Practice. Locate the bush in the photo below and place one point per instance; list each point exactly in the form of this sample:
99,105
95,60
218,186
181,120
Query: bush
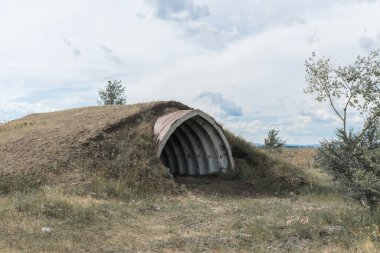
355,162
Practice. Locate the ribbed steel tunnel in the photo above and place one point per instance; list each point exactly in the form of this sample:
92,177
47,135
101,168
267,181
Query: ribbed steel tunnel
191,143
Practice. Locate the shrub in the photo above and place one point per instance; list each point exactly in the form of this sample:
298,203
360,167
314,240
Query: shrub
355,162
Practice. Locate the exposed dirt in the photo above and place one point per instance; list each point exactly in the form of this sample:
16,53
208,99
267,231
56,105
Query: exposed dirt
213,185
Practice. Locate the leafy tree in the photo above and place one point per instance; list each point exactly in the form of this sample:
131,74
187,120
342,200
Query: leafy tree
273,141
355,87
113,94
354,157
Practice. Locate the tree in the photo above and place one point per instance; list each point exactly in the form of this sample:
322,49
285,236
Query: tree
354,163
273,141
113,94
354,157
355,87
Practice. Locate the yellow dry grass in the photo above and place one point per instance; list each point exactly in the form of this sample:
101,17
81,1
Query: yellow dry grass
56,141
111,149
200,217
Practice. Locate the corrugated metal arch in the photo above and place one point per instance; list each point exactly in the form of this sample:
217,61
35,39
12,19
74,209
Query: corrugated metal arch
190,142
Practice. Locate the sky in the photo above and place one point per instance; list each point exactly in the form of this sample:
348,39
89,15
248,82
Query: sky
242,62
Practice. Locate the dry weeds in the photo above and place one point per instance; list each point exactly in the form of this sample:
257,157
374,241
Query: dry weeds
110,194
63,142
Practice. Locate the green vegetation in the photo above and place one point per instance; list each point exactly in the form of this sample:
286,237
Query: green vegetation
356,87
355,164
354,157
273,142
113,94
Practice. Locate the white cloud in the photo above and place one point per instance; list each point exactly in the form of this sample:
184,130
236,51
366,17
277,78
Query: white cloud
251,126
319,115
249,52
111,55
7,111
313,38
179,11
367,43
299,122
218,105
24,107
209,36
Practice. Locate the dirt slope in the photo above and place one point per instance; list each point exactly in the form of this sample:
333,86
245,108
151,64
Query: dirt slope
60,140
87,147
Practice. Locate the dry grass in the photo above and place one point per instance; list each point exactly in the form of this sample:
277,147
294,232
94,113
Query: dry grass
316,180
198,219
265,171
64,145
105,191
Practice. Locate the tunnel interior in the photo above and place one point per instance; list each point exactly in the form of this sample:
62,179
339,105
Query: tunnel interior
196,147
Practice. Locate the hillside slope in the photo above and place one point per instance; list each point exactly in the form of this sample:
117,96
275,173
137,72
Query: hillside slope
60,141
88,180
80,146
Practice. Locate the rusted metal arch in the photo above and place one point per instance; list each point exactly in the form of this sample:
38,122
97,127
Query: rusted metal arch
190,142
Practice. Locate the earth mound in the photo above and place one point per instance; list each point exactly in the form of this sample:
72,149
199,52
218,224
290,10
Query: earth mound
92,145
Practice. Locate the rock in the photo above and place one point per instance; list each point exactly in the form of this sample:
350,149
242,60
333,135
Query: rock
46,230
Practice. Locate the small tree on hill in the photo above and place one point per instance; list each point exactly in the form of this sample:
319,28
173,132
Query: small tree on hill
354,157
113,94
273,142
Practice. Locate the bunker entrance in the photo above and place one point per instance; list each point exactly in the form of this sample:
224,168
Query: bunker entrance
191,143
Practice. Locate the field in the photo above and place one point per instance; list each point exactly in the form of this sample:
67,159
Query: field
212,214
88,180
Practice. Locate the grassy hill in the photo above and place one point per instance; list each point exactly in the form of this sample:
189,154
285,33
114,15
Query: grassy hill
69,146
88,180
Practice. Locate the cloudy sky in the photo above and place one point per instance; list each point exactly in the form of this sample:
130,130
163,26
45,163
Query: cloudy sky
240,61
